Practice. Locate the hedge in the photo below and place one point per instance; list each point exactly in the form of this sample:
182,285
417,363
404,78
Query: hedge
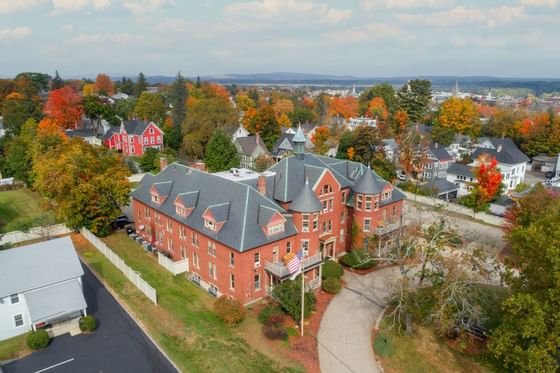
230,310
38,339
88,323
358,259
331,285
332,269
269,311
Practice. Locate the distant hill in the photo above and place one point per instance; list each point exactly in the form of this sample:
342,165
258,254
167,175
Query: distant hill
467,83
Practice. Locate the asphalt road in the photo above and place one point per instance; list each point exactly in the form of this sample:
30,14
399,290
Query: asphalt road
118,345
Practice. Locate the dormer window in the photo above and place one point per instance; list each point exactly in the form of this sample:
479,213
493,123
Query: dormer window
210,224
155,198
180,211
386,195
275,229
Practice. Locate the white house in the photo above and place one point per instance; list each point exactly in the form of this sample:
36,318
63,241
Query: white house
354,123
461,175
511,161
239,132
40,285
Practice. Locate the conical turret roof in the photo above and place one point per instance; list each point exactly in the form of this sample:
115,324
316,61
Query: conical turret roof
368,184
306,201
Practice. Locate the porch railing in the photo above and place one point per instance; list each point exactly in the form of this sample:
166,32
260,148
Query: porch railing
280,270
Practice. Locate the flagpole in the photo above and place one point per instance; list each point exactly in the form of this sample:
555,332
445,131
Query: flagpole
302,296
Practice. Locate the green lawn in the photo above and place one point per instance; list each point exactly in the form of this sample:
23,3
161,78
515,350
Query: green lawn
18,206
182,323
14,348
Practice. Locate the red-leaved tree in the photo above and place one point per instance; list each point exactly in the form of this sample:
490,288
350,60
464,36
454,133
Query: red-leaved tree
64,106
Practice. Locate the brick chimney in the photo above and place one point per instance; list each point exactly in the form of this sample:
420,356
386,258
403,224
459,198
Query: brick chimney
261,184
162,163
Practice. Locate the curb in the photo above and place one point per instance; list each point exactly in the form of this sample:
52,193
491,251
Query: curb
130,313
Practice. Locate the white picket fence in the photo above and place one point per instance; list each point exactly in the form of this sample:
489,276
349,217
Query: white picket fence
131,274
181,266
34,234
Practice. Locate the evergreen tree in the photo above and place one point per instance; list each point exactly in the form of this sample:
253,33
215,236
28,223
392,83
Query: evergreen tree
198,83
414,98
177,95
141,84
221,154
126,86
57,82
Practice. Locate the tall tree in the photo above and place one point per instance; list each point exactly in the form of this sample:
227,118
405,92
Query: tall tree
19,151
221,154
384,91
529,335
17,108
57,82
344,107
206,115
150,106
346,142
65,107
141,85
487,185
39,81
320,139
177,95
365,144
96,109
377,109
459,115
414,98
267,125
126,86
7,86
104,85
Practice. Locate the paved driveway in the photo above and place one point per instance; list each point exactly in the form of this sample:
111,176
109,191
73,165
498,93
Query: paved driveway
344,340
118,345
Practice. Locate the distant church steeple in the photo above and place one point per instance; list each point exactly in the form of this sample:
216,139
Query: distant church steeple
456,89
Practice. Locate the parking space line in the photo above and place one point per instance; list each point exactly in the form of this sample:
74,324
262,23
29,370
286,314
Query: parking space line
55,365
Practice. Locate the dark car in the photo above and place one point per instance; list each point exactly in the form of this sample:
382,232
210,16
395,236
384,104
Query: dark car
121,222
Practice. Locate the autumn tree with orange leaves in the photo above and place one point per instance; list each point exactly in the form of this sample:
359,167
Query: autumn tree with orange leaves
487,186
460,115
104,85
400,122
64,106
320,139
345,107
377,109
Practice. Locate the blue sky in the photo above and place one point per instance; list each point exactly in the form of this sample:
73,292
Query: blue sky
362,37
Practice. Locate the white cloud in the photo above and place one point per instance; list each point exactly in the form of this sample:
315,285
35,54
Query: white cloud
85,39
66,28
270,9
171,24
460,15
15,33
373,31
540,3
9,6
140,7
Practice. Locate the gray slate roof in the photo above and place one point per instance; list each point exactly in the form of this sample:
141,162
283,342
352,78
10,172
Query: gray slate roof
249,144
33,266
135,126
220,211
306,201
110,132
509,153
368,184
439,152
241,231
188,199
51,302
460,169
440,186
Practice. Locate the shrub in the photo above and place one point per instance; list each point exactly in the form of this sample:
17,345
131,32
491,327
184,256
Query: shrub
331,285
288,294
274,332
230,310
88,323
383,346
38,339
268,311
358,259
332,269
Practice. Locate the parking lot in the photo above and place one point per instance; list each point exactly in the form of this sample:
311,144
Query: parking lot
118,345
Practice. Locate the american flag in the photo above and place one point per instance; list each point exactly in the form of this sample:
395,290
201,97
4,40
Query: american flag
294,264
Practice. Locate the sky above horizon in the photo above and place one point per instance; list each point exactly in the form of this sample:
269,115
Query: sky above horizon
367,38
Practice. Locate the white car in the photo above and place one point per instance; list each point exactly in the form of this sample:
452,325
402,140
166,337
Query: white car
401,175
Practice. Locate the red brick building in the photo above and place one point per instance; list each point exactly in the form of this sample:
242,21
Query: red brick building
234,228
133,137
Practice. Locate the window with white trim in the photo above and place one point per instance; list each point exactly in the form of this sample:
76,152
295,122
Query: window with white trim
257,281
257,259
18,320
194,239
305,223
14,298
170,244
182,232
232,281
146,141
358,201
305,247
343,197
367,224
368,203
288,247
341,238
180,211
195,260
183,251
231,259
169,225
211,248
209,224
275,229
155,198
152,130
147,213
315,222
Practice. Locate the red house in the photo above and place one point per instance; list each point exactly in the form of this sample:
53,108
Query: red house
235,228
133,137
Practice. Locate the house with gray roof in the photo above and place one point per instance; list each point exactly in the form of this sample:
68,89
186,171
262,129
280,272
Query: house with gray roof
436,162
512,162
462,176
40,286
249,148
284,146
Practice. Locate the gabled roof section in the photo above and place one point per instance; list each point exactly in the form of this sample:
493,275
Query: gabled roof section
250,143
220,211
306,201
163,188
460,169
265,214
135,126
241,232
368,184
505,151
439,152
188,199
112,131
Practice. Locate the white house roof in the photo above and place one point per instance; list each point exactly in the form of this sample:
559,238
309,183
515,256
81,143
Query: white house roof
54,301
42,264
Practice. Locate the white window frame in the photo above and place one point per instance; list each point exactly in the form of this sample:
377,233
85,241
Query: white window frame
16,297
20,315
367,224
257,259
305,222
305,247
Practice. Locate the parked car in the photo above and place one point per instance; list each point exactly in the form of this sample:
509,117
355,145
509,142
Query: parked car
121,222
401,175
